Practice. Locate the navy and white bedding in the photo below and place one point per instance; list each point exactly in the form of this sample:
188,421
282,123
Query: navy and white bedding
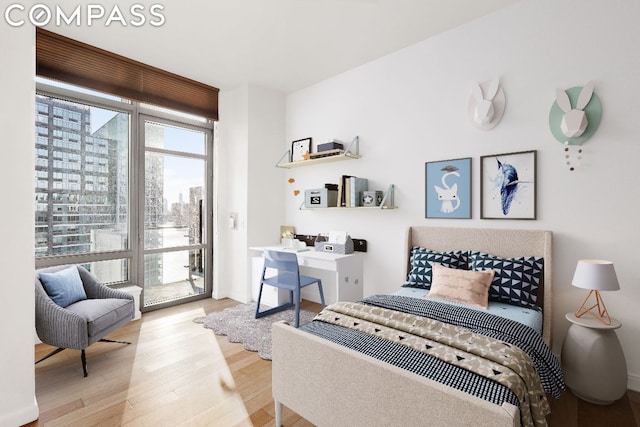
531,317
506,330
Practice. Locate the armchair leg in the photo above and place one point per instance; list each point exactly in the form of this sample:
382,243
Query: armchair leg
117,342
83,357
54,352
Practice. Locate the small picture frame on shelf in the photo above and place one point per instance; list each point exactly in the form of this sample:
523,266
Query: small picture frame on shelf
508,186
300,149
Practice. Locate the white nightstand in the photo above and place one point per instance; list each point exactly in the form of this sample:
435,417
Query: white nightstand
592,359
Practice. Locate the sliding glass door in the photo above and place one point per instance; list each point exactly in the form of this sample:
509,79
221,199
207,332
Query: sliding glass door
175,212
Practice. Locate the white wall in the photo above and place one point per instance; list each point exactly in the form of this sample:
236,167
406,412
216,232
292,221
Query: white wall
266,134
231,182
410,108
251,131
17,385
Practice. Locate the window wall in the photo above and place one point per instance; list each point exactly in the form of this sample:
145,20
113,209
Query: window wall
92,204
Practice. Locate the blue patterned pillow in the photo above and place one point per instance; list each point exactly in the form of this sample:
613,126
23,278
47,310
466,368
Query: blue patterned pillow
516,280
421,258
64,286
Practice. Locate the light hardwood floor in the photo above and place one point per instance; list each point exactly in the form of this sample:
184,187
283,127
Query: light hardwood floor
178,373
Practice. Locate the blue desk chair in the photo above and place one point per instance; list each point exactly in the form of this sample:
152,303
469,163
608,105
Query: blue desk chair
289,278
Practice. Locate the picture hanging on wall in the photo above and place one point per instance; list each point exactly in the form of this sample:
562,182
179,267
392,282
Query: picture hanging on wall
448,188
508,186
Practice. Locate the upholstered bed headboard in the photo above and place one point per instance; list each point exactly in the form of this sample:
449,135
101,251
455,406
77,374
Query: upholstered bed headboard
504,243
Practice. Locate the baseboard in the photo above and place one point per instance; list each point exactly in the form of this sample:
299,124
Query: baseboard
237,296
20,416
633,382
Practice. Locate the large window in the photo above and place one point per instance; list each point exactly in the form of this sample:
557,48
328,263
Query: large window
111,172
82,181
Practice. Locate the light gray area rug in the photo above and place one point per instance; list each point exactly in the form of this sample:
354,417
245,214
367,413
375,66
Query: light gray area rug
240,326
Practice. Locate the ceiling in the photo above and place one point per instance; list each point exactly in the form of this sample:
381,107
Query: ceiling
281,44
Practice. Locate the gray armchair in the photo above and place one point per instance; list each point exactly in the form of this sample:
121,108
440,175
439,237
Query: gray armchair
84,322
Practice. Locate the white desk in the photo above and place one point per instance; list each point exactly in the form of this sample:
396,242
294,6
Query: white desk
341,275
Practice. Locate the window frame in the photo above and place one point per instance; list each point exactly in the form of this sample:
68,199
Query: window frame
134,254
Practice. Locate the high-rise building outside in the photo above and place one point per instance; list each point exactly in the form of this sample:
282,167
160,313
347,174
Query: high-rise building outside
73,198
82,187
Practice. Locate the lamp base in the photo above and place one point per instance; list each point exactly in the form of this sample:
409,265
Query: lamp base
602,313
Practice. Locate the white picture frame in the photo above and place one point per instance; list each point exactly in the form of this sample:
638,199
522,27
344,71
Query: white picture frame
300,149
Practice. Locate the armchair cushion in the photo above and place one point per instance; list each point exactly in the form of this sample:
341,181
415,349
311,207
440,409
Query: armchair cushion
102,314
64,286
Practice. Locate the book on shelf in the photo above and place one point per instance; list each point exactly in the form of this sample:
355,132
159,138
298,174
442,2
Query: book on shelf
342,190
358,185
350,191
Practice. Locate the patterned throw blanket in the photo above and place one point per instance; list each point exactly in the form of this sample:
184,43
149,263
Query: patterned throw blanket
493,353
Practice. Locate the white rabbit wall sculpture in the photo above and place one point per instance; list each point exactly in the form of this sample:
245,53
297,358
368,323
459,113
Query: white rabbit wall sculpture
573,126
574,121
486,106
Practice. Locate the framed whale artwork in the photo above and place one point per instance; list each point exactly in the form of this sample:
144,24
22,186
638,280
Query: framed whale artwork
508,186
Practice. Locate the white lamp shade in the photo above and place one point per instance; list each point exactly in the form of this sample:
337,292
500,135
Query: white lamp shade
595,274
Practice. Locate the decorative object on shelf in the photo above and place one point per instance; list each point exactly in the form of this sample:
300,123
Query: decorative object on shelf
508,186
448,188
595,275
573,126
331,145
486,104
371,198
326,197
326,153
387,202
330,148
299,149
349,153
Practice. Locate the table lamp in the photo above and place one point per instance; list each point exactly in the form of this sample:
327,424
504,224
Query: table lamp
595,275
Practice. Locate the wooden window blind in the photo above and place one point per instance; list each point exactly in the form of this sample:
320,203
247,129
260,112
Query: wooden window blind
64,59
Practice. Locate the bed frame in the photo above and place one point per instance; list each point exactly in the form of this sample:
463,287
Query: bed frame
331,385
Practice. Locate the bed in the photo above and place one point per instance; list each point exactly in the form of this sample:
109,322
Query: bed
330,384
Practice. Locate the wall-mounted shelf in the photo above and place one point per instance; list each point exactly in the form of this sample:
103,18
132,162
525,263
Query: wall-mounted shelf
386,203
350,153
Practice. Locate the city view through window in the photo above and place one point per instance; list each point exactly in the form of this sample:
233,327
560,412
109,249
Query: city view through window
85,189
